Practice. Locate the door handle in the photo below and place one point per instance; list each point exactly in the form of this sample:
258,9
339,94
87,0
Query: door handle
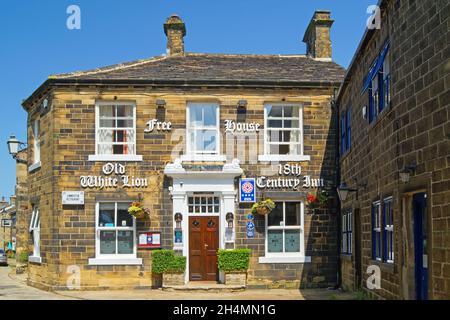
206,246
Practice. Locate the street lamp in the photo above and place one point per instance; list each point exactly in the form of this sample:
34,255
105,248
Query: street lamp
15,146
405,174
343,191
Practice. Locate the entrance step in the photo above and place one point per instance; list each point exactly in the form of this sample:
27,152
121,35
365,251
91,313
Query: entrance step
205,287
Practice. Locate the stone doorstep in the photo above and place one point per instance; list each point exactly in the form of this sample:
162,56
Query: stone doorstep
204,287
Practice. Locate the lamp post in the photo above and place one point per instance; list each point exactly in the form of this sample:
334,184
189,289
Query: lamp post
405,174
14,147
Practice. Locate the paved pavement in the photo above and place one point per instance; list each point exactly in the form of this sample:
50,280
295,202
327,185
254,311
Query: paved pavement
13,287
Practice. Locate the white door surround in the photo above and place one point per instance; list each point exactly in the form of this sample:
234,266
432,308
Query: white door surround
187,183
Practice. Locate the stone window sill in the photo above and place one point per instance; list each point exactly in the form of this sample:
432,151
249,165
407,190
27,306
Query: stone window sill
203,158
291,259
115,157
115,262
34,167
283,158
346,257
384,266
37,260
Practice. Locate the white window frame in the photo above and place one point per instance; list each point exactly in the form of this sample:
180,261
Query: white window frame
114,157
389,228
378,228
289,257
36,146
35,230
206,214
267,156
194,155
114,259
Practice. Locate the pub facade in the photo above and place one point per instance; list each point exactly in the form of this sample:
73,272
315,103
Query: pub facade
185,134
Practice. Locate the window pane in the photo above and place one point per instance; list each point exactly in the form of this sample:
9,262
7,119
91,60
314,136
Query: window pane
125,123
285,149
210,116
292,240
291,124
275,124
275,111
106,111
206,140
125,242
275,136
124,111
291,136
293,214
275,241
106,215
289,112
195,115
276,216
124,219
107,123
107,242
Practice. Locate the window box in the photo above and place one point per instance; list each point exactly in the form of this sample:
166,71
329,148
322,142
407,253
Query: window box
236,279
173,279
37,260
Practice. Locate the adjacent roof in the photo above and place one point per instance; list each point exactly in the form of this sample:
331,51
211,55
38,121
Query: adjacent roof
211,69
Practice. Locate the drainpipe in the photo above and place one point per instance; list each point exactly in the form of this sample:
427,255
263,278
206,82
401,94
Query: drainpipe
338,182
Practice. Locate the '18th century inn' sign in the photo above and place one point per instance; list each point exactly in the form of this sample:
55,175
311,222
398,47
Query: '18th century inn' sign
114,177
290,177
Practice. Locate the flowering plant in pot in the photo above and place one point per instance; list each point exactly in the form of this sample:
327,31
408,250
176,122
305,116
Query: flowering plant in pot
317,202
263,207
138,211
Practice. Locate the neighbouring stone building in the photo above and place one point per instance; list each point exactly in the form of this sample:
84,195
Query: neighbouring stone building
178,132
395,154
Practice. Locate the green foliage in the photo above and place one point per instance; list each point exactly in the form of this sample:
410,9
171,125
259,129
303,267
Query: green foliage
165,261
23,257
234,260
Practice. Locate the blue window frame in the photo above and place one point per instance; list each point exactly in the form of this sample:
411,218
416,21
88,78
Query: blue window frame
376,231
346,131
378,82
388,231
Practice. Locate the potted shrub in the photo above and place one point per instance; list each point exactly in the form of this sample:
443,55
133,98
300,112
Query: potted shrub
171,266
317,203
138,211
263,207
234,263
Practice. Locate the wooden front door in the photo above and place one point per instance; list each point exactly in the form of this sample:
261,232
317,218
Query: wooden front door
203,246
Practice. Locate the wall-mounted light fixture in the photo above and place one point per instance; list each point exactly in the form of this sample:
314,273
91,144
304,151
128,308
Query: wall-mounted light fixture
14,147
230,219
405,173
343,190
178,220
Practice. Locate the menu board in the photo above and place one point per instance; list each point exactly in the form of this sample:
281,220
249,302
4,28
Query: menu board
149,240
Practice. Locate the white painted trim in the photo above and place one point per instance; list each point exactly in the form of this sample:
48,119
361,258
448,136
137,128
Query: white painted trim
34,167
205,158
116,157
285,259
115,262
35,259
283,158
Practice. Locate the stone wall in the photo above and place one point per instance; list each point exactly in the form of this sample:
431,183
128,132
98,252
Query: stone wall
68,232
415,127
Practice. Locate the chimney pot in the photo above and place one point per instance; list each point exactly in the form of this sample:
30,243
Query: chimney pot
175,30
317,36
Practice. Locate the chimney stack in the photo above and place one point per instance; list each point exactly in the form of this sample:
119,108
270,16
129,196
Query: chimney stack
317,36
175,30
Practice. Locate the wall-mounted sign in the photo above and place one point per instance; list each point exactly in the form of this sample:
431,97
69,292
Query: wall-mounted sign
250,234
149,240
178,236
154,124
7,223
114,177
232,127
290,178
247,190
73,197
250,226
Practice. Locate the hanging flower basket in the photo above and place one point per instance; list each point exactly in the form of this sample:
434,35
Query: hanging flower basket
263,208
138,211
317,203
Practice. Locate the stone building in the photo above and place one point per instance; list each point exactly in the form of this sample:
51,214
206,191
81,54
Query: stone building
178,132
394,133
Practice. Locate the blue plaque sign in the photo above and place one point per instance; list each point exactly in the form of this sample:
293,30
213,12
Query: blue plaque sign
247,191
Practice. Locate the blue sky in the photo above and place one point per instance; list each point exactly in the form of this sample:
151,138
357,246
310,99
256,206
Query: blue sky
36,43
